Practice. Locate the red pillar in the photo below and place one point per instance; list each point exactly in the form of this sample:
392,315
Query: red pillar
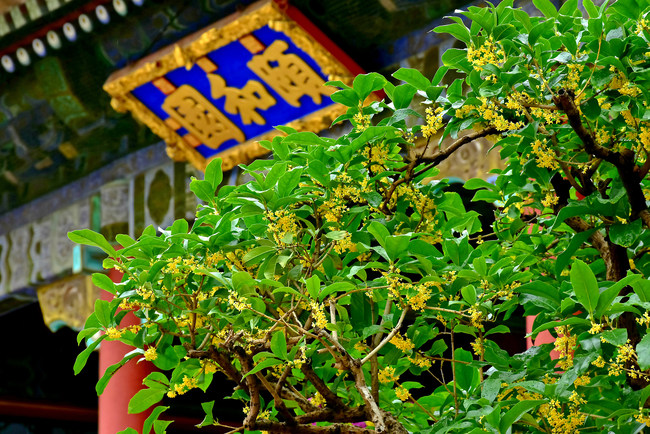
543,337
113,403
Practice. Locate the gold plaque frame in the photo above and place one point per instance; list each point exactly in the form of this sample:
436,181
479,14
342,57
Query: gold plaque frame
120,84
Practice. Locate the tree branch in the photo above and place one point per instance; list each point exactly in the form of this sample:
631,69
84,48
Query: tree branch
332,400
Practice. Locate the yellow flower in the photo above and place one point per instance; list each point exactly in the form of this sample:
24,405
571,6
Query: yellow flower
487,53
550,200
150,354
387,375
544,157
565,344
401,343
362,122
599,362
114,333
318,314
318,400
595,328
434,121
402,394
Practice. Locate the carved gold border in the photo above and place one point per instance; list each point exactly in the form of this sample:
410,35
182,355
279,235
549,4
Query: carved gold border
68,301
120,84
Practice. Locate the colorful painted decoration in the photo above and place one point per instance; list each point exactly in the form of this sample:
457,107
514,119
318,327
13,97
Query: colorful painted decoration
120,7
39,47
8,63
102,14
23,56
228,88
85,23
53,39
70,32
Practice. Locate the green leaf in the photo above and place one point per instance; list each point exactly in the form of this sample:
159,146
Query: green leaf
590,8
202,189
124,240
591,109
380,232
546,7
213,173
347,97
319,172
289,181
396,245
469,294
111,370
585,285
365,84
279,345
465,373
457,30
144,399
643,352
103,313
128,430
625,234
516,412
335,287
565,257
413,77
607,296
266,363
92,238
82,358
209,418
403,95
497,329
553,324
104,282
476,183
148,423
642,288
615,337
257,255
160,426
313,286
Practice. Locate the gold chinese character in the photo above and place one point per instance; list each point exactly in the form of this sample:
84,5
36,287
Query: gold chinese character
288,74
187,106
244,101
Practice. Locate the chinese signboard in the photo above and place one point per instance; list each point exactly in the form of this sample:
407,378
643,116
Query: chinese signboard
217,93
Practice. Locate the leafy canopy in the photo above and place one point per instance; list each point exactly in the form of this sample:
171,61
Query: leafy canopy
342,289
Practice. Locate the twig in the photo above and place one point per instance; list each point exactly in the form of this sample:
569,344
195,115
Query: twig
387,338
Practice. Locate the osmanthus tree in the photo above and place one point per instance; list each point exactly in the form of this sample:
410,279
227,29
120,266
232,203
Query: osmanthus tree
334,289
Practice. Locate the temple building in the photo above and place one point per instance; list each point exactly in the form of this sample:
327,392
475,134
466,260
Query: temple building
108,107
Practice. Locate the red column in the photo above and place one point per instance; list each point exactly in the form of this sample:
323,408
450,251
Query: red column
113,403
543,337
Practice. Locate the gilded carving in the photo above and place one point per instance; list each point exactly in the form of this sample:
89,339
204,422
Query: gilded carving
193,111
69,301
121,84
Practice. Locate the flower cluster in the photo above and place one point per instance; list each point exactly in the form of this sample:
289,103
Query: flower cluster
282,225
565,345
489,52
402,343
544,157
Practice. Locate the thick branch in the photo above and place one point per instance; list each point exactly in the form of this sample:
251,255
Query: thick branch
252,386
441,156
282,428
434,160
623,161
277,400
332,400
